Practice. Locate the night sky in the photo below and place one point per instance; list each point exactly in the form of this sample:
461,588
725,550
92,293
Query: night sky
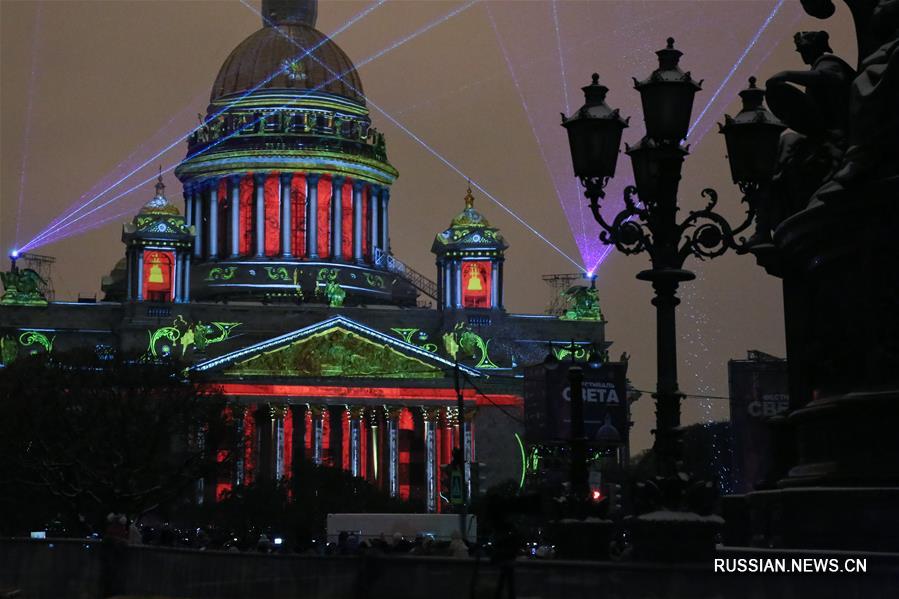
90,90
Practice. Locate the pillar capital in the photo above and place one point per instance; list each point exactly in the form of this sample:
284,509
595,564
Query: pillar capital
337,180
359,185
316,410
393,412
260,178
286,178
356,412
313,178
430,414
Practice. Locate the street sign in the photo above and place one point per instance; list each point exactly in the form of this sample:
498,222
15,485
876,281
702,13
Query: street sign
456,495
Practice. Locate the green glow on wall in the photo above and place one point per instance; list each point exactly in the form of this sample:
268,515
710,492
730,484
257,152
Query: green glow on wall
34,337
333,292
22,287
524,463
196,335
583,303
221,273
409,336
473,345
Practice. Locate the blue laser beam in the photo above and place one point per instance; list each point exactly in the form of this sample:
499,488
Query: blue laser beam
26,150
737,64
300,56
440,157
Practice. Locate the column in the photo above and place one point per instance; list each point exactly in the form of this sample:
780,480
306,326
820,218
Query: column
393,450
457,282
197,210
430,423
286,225
373,455
316,412
259,180
499,284
356,415
448,285
385,233
239,432
336,217
374,199
234,182
186,291
335,443
129,274
358,225
312,216
279,467
494,285
264,457
213,241
298,415
140,275
468,449
177,279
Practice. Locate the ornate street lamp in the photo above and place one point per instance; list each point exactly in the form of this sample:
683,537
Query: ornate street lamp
649,224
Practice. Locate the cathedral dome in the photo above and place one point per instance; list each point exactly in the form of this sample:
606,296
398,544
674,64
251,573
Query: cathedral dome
288,32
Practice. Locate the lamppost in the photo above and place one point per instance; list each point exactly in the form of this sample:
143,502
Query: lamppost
648,223
579,490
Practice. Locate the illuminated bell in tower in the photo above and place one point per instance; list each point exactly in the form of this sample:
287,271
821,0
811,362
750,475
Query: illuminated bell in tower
155,271
474,279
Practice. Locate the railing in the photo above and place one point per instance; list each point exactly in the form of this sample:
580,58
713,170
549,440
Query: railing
396,266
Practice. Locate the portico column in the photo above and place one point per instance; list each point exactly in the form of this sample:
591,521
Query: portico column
393,450
356,414
239,413
140,275
286,224
259,180
448,285
188,204
468,438
337,217
279,470
499,284
213,241
358,225
312,216
235,215
316,412
430,416
374,200
177,278
385,233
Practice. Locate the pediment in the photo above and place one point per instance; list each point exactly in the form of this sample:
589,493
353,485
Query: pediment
338,347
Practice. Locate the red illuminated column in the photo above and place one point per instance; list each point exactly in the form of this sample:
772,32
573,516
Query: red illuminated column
337,217
323,218
239,415
431,417
234,230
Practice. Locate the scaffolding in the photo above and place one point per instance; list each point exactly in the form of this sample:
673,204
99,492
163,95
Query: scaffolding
559,283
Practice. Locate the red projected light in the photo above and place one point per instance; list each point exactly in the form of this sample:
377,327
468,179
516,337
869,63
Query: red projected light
596,496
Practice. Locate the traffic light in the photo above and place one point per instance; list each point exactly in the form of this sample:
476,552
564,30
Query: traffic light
478,478
616,498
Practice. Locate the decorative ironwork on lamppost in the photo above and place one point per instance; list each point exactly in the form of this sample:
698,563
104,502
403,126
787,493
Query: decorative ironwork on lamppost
648,223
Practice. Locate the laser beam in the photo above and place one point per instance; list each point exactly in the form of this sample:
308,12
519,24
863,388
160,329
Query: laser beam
308,52
26,150
439,156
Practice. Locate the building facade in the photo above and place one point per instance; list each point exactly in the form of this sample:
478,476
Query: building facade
276,285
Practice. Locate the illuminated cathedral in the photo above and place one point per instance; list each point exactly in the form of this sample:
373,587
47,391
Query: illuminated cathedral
276,283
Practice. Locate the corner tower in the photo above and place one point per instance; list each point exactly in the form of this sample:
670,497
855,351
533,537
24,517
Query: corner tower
286,182
470,256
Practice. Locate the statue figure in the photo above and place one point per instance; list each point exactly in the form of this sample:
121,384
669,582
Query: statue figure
818,117
583,303
22,288
873,116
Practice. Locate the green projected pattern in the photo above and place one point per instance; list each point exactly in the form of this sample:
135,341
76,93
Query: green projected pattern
335,352
196,336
